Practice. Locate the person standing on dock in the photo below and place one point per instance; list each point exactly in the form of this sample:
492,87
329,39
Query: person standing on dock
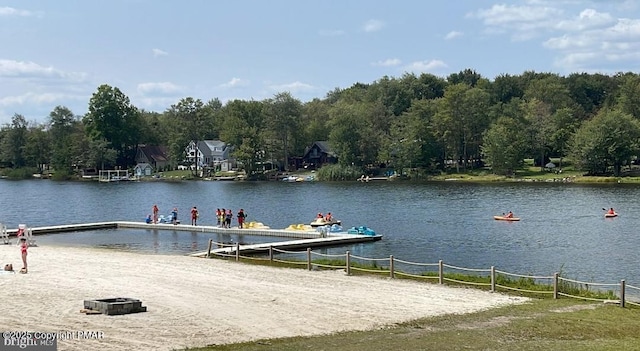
155,211
174,216
241,216
194,216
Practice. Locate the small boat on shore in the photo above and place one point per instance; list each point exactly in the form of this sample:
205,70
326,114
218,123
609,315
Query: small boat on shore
505,218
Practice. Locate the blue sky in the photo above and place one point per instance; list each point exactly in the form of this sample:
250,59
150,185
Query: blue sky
157,52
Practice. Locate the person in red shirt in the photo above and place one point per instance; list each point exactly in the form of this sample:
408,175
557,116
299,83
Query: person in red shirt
155,211
194,216
241,216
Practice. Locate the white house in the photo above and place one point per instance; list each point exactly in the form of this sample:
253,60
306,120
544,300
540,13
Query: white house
210,153
143,169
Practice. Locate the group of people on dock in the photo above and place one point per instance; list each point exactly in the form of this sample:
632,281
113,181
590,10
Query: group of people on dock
223,216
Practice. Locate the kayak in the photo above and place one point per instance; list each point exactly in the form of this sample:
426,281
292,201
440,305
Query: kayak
504,218
610,215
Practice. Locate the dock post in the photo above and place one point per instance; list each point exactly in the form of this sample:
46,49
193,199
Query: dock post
622,292
237,252
348,262
391,275
493,279
209,248
308,258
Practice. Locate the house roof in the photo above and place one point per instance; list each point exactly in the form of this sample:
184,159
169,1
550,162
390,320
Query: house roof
211,145
323,146
143,165
155,152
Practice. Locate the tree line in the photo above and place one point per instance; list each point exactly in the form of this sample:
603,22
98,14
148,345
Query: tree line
421,122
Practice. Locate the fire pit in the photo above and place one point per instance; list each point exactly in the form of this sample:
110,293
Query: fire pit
115,306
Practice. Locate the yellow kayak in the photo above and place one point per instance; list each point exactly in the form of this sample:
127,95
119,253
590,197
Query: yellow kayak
505,218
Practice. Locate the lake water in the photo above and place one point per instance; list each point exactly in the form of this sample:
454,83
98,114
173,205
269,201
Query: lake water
562,228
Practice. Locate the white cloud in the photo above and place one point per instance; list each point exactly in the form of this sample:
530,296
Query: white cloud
23,69
331,32
523,22
293,87
372,25
158,88
10,11
158,52
387,63
453,34
425,66
235,83
32,98
587,19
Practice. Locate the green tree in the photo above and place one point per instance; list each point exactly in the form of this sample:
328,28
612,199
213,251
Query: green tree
282,117
36,148
505,144
189,118
352,136
62,124
242,127
610,139
14,141
113,118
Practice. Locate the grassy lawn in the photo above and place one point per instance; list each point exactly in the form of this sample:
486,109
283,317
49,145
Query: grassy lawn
563,324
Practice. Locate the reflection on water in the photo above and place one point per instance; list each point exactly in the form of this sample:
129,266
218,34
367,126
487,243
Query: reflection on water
562,226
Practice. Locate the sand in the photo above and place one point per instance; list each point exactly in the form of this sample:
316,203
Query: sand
196,302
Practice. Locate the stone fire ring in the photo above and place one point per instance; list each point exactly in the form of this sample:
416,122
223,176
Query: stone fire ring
115,306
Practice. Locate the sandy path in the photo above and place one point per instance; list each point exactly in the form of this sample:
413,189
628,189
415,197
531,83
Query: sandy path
196,302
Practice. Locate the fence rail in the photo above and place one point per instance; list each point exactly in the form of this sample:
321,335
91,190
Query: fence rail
555,284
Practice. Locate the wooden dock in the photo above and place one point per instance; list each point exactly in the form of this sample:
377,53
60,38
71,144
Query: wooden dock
302,239
330,240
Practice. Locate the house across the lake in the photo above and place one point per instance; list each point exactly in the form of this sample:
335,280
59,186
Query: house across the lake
210,153
154,155
318,154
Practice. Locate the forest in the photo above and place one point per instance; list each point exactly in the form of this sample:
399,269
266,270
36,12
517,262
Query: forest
413,122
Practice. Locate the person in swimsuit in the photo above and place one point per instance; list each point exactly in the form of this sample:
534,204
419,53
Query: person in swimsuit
23,251
194,216
155,211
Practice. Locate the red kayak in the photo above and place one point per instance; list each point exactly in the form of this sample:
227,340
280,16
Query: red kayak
610,215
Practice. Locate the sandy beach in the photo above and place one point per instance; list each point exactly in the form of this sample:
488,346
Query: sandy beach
197,302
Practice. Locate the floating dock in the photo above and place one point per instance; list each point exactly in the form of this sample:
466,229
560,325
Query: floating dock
302,239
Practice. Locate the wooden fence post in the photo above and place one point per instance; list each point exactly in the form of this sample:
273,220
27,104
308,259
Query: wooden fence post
271,253
209,248
555,285
237,251
391,274
308,258
348,259
623,286
440,272
493,279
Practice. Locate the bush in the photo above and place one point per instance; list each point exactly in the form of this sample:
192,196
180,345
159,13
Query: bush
338,172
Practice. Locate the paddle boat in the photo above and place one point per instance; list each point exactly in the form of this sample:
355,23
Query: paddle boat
361,230
505,218
321,222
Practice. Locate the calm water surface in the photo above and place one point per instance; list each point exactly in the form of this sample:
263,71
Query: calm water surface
562,226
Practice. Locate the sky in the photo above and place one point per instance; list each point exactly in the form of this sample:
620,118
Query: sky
57,53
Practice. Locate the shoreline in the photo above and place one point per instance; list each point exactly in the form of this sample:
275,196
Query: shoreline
194,302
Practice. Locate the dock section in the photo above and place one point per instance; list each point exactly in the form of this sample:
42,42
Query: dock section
298,239
331,240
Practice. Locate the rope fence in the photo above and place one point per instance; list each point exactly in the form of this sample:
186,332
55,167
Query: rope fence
489,278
